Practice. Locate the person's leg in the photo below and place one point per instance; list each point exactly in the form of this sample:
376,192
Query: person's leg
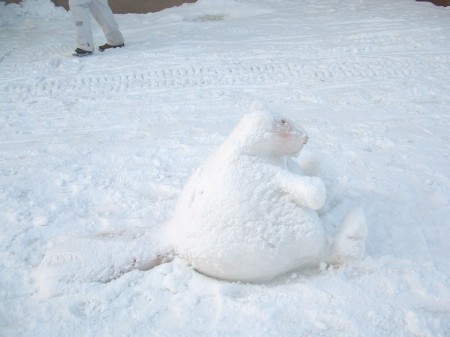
80,12
103,14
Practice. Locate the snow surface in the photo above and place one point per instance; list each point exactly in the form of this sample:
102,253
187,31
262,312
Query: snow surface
104,144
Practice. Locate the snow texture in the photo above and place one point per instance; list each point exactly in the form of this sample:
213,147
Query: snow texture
95,153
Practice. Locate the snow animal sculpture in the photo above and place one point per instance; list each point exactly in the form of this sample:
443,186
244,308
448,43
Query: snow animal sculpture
247,214
244,215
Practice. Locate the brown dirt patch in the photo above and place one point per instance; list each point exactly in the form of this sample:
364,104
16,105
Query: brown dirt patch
134,6
127,6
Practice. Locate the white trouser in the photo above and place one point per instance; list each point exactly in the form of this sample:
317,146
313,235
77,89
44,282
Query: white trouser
102,13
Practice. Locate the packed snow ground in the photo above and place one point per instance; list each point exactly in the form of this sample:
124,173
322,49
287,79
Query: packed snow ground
105,144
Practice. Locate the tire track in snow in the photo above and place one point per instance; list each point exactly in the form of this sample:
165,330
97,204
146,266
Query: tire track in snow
246,73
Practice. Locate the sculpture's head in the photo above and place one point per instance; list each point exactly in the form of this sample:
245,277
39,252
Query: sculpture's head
259,132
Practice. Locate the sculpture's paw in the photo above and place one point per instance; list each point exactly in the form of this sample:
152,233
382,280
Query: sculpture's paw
349,244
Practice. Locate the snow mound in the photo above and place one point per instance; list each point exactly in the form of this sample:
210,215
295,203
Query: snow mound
27,11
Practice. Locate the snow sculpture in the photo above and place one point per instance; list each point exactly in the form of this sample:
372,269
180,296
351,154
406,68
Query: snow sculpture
244,215
248,214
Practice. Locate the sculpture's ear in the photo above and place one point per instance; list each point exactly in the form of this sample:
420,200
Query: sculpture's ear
257,107
261,114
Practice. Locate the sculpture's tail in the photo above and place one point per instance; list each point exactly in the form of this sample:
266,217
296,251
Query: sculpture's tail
100,258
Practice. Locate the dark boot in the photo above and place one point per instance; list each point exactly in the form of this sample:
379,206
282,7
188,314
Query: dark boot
108,46
81,52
